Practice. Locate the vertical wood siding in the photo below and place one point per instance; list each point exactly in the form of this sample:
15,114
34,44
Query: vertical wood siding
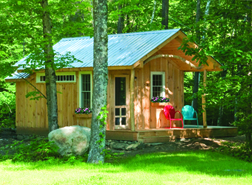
33,114
152,117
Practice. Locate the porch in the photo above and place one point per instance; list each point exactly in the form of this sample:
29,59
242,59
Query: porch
166,135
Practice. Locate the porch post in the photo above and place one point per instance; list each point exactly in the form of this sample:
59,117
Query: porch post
132,114
204,101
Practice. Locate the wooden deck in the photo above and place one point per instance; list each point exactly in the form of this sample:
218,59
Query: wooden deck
166,135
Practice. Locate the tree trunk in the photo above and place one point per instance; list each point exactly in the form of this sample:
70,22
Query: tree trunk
196,74
220,116
165,13
100,80
195,90
51,90
153,12
120,20
248,137
197,20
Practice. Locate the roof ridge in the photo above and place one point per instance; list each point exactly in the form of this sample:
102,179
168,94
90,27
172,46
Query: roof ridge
142,33
75,38
120,34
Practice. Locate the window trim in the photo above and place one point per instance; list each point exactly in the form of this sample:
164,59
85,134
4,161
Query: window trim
38,75
163,85
91,87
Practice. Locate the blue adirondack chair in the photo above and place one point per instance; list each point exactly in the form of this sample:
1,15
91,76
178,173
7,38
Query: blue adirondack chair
188,114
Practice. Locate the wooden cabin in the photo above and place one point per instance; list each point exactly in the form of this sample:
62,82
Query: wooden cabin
140,65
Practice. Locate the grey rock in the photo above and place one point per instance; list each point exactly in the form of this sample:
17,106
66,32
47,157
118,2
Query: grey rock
119,146
132,146
72,140
155,144
141,146
20,137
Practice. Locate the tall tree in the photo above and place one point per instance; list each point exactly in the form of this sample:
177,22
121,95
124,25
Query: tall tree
165,13
51,89
196,74
100,80
120,19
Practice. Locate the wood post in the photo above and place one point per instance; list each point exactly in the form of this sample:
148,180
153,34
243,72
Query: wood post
132,114
204,101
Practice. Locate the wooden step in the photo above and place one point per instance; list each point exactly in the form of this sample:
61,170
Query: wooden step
156,139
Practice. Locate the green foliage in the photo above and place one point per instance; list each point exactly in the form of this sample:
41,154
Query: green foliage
241,151
109,155
38,150
35,150
102,116
7,106
33,95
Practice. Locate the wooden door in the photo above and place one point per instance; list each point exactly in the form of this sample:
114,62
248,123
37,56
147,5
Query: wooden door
121,112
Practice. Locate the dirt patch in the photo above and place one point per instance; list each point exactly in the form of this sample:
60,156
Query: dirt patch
184,145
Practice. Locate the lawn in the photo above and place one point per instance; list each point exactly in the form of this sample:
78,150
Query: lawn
197,167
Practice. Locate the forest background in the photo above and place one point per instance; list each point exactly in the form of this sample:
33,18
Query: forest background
221,28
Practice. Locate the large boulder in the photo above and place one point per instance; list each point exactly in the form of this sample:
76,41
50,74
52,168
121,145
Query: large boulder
72,140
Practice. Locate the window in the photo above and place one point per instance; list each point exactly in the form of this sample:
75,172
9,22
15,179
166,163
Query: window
85,89
157,84
60,77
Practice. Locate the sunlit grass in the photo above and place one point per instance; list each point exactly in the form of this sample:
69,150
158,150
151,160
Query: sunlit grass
200,167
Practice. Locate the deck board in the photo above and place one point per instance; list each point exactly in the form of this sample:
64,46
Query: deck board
154,135
166,135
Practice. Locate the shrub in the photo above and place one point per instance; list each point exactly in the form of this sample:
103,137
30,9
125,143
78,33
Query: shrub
242,151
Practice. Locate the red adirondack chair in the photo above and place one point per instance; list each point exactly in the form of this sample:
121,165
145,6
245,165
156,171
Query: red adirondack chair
169,113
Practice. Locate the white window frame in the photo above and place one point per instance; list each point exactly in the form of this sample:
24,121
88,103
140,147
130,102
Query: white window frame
38,75
91,87
163,84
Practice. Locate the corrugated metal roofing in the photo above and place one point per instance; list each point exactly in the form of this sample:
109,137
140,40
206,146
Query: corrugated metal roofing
17,75
123,49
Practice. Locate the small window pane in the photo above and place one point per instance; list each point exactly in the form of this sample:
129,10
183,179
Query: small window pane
117,111
124,121
42,78
120,91
157,85
86,103
86,82
123,111
157,80
117,121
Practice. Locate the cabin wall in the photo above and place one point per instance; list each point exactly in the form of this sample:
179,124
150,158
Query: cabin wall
31,115
145,113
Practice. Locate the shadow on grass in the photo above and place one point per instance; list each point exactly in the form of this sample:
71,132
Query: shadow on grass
201,162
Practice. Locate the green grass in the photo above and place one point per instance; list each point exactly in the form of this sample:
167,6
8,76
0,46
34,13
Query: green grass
199,167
